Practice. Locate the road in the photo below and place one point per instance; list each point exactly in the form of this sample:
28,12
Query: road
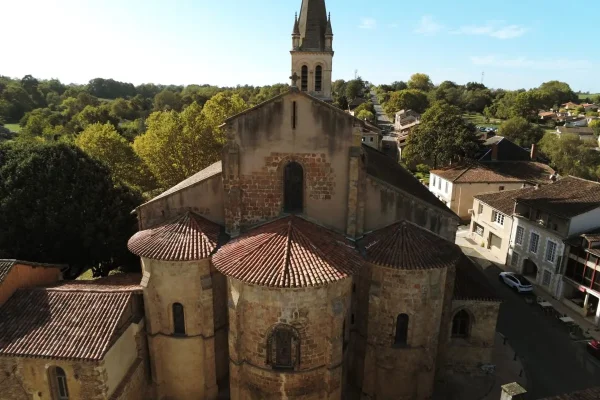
382,118
553,363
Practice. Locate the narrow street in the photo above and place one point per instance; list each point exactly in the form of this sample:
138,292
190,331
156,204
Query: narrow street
553,363
382,118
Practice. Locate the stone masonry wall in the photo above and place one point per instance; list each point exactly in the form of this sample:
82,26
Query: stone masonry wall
467,354
28,378
317,314
420,295
262,191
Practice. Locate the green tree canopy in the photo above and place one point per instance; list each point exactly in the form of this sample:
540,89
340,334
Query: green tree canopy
571,156
222,106
409,99
365,115
442,136
595,125
354,89
59,205
420,82
167,100
104,143
558,92
521,132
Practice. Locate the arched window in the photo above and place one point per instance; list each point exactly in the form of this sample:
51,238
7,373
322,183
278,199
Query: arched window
283,347
293,192
178,319
318,78
461,324
59,383
304,79
401,330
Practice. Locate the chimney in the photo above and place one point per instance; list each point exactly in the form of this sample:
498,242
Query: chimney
495,152
533,153
512,391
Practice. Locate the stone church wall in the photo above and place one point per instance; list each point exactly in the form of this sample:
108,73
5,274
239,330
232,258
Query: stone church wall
183,366
385,205
263,140
317,314
396,371
204,198
467,354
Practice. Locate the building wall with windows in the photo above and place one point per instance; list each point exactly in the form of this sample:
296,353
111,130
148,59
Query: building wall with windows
182,345
584,222
409,300
471,340
261,318
537,252
491,229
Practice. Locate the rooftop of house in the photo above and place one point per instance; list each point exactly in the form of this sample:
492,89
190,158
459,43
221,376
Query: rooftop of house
547,113
7,265
401,245
188,237
567,197
71,320
503,201
506,150
496,172
289,252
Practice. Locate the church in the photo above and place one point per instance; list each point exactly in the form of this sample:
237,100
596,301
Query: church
303,265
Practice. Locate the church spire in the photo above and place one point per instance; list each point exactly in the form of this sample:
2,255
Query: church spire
313,25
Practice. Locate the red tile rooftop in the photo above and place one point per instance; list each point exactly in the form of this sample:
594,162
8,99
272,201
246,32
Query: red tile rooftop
288,253
188,237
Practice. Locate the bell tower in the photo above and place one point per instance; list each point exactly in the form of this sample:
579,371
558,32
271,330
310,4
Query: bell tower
312,49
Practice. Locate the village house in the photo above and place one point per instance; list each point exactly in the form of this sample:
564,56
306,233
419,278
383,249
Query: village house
492,221
584,133
302,265
543,219
405,120
457,185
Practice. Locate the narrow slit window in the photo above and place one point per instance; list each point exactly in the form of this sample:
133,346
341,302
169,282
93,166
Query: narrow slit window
318,78
178,319
294,114
401,330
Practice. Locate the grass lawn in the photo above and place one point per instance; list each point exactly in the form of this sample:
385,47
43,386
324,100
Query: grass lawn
480,119
13,127
585,96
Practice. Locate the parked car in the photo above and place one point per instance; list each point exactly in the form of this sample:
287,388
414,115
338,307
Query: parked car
593,347
516,281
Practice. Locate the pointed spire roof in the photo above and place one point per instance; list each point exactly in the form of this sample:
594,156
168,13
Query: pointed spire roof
288,253
296,30
329,31
313,25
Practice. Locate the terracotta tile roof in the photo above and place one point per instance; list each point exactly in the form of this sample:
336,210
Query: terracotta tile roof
471,284
7,265
503,201
66,324
188,237
566,198
506,150
288,253
383,167
585,131
587,394
208,172
407,246
113,283
497,172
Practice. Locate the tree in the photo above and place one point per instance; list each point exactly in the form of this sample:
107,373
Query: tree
354,89
442,136
167,100
420,82
222,106
177,145
365,115
595,125
58,205
410,99
571,156
521,132
104,143
558,92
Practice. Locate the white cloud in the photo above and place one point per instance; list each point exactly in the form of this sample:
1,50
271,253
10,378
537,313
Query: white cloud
494,29
368,23
428,26
524,62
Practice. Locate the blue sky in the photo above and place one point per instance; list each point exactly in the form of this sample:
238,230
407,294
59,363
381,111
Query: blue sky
228,42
